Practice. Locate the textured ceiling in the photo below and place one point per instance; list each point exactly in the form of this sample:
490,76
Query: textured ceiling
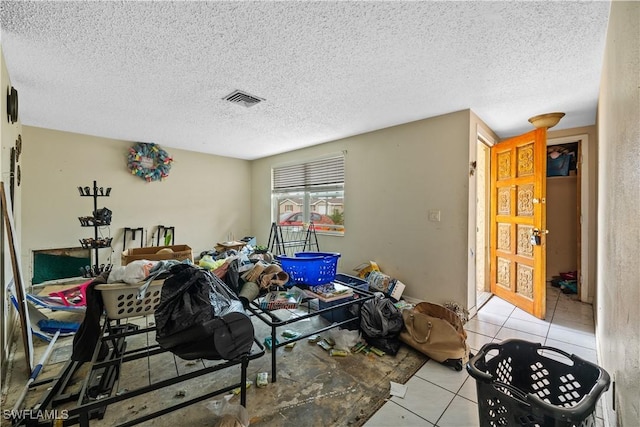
157,71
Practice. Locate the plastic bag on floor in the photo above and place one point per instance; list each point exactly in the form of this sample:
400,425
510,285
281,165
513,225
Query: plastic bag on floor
381,323
344,338
231,414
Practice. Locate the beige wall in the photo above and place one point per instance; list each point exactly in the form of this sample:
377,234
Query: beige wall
589,185
9,134
618,283
394,176
562,223
205,197
423,164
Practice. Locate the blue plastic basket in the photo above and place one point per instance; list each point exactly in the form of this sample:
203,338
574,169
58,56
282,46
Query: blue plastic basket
310,268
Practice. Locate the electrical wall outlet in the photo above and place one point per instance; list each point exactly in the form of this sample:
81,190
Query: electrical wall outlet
434,215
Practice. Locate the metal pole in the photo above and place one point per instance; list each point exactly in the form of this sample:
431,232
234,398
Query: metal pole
36,371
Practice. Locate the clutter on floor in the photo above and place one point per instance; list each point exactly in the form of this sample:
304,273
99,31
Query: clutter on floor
566,281
378,281
201,309
437,332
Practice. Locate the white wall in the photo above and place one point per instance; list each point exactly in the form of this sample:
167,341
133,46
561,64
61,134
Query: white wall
618,277
205,197
394,176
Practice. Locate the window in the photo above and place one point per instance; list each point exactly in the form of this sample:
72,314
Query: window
310,192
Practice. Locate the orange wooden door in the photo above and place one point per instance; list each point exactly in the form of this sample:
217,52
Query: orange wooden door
518,211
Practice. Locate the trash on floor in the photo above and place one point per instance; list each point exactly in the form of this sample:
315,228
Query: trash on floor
325,345
365,349
231,414
268,343
397,389
342,339
566,281
237,390
569,286
288,333
380,282
459,310
262,379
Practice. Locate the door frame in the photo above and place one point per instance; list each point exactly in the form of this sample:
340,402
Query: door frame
486,137
586,294
587,289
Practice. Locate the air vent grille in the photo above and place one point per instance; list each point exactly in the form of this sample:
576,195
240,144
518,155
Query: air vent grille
243,98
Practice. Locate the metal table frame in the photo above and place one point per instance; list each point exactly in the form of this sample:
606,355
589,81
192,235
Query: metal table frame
274,322
106,372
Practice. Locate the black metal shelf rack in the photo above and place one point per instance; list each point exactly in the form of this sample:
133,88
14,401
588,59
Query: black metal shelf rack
95,243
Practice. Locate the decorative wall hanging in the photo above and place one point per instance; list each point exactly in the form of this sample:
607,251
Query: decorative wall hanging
149,161
12,104
18,147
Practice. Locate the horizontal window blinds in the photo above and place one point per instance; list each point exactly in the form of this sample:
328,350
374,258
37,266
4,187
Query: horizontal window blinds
317,173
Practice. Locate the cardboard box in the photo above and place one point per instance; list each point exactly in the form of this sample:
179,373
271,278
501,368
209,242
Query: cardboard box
365,268
226,246
157,253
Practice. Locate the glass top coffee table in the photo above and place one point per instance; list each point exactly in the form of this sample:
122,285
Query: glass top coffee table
336,311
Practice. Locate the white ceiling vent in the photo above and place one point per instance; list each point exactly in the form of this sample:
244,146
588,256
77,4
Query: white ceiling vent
243,98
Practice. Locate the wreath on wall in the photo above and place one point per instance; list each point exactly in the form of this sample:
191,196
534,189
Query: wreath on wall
149,161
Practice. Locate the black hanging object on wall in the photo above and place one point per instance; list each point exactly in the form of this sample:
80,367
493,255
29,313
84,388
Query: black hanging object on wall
12,176
167,230
18,147
12,105
133,235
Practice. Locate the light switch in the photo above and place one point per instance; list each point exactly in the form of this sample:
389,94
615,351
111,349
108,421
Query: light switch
434,215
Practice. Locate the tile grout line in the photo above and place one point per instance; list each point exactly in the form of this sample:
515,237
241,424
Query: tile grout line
409,410
499,327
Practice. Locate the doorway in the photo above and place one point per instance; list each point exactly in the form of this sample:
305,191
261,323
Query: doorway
563,215
482,266
480,248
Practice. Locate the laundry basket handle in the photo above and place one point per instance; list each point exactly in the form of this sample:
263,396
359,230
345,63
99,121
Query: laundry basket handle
481,356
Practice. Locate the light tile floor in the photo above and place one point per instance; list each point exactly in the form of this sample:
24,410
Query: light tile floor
439,396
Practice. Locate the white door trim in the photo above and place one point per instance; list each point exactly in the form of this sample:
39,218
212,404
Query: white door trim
480,134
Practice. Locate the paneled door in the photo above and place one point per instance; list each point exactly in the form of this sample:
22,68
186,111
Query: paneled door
518,221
